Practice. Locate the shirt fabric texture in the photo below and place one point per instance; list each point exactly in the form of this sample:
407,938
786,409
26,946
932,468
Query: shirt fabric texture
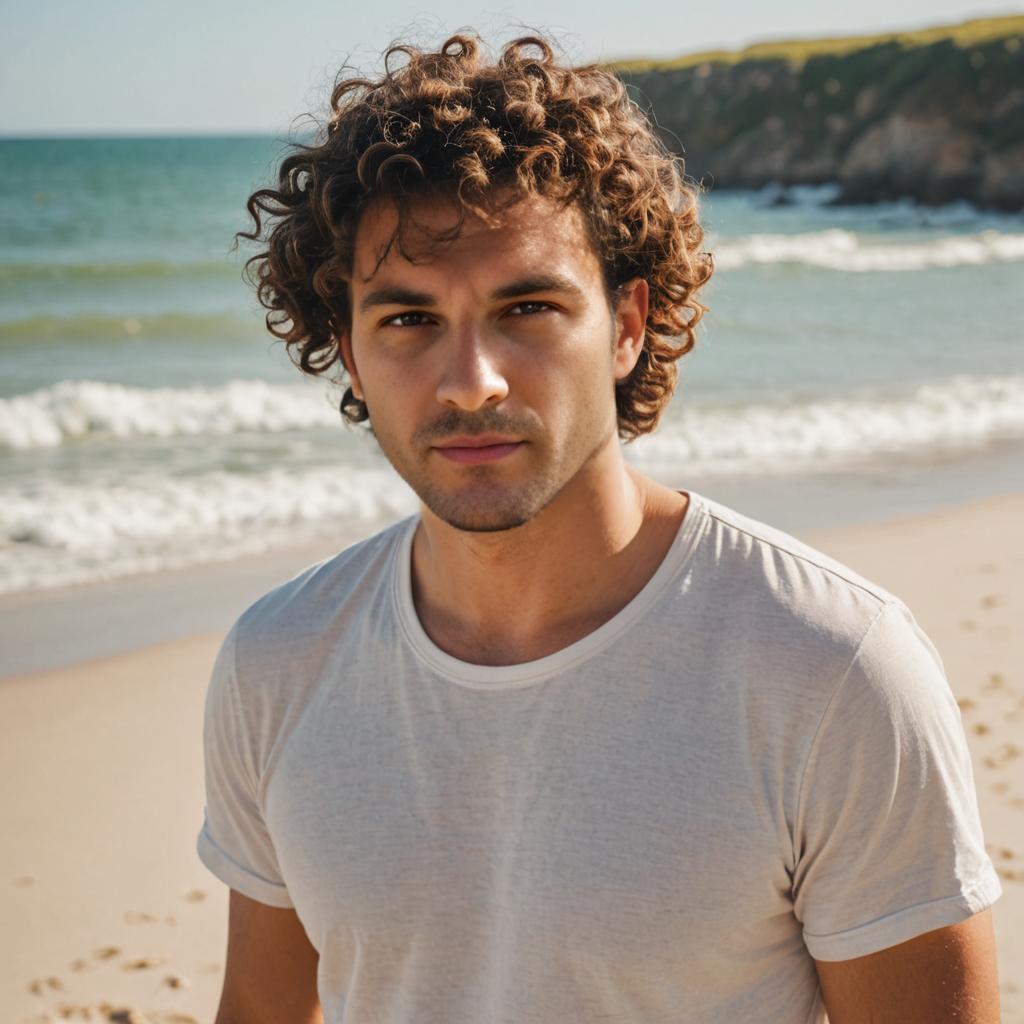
757,761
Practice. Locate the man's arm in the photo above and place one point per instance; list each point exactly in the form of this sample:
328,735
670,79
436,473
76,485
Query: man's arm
948,974
271,967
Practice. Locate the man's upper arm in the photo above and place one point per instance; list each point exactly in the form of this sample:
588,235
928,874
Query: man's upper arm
948,974
270,974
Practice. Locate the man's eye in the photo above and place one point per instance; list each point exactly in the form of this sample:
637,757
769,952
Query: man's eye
529,307
406,320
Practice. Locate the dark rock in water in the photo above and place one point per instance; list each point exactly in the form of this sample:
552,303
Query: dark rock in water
775,195
930,117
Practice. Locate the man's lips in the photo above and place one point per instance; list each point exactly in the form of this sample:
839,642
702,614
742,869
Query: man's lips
474,450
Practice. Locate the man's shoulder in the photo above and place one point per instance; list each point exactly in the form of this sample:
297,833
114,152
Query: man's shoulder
789,621
304,607
766,571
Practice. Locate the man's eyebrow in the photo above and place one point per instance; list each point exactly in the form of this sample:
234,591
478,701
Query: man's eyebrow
538,283
395,297
546,282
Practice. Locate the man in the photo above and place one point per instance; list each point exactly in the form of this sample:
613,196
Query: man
568,745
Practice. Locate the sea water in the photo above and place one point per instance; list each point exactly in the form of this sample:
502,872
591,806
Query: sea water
855,361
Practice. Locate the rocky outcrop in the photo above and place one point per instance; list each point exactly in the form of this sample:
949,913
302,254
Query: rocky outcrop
934,122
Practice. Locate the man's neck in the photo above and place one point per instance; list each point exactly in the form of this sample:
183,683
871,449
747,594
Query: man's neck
517,595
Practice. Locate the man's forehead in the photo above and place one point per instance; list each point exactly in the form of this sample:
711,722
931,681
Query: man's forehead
534,226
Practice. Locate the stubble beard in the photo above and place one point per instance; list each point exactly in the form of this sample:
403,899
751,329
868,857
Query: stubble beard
483,514
484,504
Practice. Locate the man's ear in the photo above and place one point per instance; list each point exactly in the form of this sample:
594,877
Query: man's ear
348,360
630,326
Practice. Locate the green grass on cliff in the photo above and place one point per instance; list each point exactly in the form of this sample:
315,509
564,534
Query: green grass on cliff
798,51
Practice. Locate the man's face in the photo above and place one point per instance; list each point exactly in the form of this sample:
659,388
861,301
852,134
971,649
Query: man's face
488,365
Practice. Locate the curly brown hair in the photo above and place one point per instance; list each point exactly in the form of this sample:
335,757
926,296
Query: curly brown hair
451,120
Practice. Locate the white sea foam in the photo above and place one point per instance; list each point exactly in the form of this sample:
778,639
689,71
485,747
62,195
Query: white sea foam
75,409
955,411
837,249
56,534
958,412
57,531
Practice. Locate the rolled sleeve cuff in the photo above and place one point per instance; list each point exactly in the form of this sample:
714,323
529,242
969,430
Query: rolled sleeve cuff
232,874
892,929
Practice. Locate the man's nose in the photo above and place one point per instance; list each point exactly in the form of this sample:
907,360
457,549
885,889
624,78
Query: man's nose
471,376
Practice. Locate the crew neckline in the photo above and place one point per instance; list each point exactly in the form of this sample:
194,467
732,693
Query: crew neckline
527,673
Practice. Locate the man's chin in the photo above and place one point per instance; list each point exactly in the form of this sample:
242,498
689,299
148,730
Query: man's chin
489,520
483,516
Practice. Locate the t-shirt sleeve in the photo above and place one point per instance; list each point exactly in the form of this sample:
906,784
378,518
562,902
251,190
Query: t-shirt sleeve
887,834
234,842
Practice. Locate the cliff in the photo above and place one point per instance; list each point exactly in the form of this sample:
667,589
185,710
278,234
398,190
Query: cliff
935,115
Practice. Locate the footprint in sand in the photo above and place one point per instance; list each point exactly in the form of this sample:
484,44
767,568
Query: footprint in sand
106,952
968,624
22,881
144,963
177,981
980,729
1003,756
195,896
124,1015
71,1011
996,681
966,704
991,601
999,788
39,986
139,917
129,1015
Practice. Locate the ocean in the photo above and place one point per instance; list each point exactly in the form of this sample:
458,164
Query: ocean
856,362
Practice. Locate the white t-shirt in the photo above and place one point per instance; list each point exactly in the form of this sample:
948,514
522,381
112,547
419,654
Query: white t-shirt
757,761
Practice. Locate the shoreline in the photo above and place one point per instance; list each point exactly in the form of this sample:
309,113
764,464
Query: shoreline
109,617
103,894
131,613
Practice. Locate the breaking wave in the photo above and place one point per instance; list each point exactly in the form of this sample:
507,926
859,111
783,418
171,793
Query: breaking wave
960,410
57,534
103,524
837,249
80,409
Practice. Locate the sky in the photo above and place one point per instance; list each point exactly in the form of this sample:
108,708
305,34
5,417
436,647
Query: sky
142,67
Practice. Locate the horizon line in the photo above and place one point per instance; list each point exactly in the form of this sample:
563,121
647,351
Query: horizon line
114,134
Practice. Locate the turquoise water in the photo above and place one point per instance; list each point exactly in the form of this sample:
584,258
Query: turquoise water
147,419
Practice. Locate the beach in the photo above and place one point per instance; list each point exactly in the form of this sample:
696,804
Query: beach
106,907
856,379
162,464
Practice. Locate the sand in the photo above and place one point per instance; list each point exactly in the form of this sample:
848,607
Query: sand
104,904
